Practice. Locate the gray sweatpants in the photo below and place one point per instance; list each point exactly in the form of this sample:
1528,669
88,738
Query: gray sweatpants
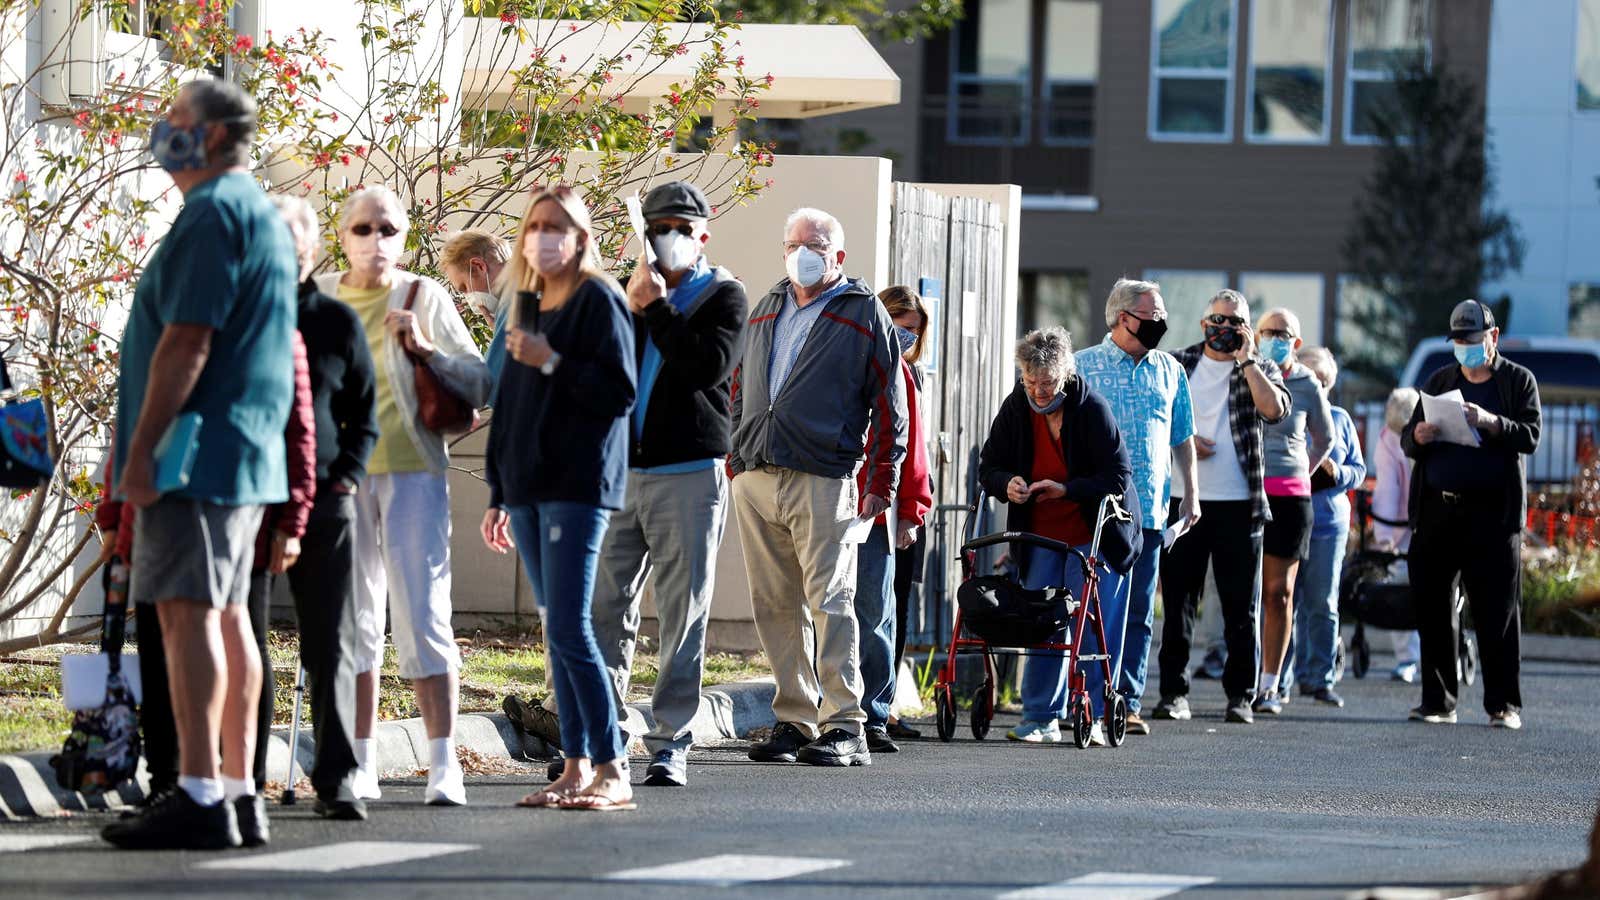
671,528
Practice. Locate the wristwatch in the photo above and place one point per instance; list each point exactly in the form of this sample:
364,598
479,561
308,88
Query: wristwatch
549,367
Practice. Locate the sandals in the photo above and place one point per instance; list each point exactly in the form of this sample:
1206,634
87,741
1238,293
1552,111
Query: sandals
545,799
596,803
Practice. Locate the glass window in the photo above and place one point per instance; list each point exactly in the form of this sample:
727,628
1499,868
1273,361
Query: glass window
1385,35
1583,311
1071,67
1300,294
1587,70
1058,298
1186,295
989,89
1191,83
1290,46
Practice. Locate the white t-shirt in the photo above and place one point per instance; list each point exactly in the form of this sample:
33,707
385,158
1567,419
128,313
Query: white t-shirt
1220,475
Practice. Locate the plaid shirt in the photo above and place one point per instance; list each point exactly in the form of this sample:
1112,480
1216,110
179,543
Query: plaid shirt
1246,423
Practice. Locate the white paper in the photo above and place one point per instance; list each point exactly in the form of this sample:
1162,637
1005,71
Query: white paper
859,530
83,679
1447,414
1177,530
636,215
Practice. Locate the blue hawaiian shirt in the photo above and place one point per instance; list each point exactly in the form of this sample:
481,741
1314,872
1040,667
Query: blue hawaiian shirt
1150,400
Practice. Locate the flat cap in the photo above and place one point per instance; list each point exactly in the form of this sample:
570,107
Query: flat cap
676,199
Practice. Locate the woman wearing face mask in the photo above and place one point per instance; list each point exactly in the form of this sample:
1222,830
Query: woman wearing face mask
557,463
1294,447
403,504
1054,451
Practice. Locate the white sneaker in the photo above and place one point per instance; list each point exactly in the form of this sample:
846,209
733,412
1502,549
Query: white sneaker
1509,719
1097,735
1036,732
446,788
365,785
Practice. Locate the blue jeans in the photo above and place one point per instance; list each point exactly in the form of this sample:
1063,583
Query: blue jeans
1316,614
560,546
1044,678
875,612
1141,619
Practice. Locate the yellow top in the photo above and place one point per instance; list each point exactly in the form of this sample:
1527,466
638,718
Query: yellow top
394,451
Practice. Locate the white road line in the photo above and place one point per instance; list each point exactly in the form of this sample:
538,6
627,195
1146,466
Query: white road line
729,869
12,843
339,857
1110,886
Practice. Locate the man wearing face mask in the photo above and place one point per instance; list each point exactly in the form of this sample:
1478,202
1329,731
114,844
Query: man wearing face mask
689,321
1149,395
817,372
1236,394
472,261
1468,505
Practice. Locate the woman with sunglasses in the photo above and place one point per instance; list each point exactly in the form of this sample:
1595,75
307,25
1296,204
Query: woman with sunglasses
557,463
1294,447
402,529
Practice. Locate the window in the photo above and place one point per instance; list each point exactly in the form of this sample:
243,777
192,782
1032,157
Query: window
989,85
1290,47
1587,68
1059,298
1583,310
1191,83
1186,295
1300,294
1385,35
1071,66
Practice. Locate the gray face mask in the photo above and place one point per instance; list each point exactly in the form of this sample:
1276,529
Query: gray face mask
1050,407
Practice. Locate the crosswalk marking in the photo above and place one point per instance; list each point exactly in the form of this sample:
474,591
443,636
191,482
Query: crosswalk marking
729,869
12,843
1110,886
338,857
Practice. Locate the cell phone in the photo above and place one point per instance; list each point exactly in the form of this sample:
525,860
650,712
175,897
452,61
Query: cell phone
528,310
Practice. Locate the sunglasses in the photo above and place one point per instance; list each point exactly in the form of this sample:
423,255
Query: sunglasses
365,228
659,229
1220,319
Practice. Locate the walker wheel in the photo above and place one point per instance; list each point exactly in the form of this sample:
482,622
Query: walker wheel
1116,720
1467,657
982,710
1360,655
945,701
1082,724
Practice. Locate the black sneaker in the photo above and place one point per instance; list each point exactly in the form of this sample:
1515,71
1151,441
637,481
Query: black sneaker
156,796
1328,697
352,810
783,746
1433,716
900,731
836,747
878,740
251,814
668,768
1171,708
178,823
1239,711
533,719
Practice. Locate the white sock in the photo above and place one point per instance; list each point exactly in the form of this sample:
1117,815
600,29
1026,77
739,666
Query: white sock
234,788
1269,683
204,791
442,753
364,754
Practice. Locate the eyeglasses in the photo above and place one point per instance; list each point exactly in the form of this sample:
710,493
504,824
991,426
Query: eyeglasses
1156,316
366,228
1276,333
1220,319
817,247
658,229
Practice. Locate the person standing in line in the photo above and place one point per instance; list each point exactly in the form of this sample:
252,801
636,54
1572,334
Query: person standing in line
1316,595
210,332
1149,396
558,468
1468,506
1391,498
817,373
403,505
1296,445
875,561
1236,394
471,261
688,325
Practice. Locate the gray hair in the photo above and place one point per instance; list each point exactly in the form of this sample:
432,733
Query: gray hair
217,102
1322,364
1289,318
1124,294
381,195
298,213
820,221
1398,409
1228,295
1047,351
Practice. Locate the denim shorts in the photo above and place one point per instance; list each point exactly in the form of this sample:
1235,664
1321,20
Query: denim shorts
186,549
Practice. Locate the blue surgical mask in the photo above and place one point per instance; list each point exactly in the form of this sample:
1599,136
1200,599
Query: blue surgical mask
1050,407
1278,350
907,339
178,149
1472,356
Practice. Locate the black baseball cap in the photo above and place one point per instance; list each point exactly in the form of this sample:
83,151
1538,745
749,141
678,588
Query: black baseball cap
677,200
1470,319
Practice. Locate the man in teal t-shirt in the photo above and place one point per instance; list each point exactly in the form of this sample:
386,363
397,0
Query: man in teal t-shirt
209,333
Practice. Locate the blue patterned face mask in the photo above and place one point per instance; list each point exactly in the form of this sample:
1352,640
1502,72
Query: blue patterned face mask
906,338
178,149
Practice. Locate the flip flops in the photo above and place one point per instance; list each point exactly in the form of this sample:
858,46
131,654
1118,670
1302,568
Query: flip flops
596,803
544,799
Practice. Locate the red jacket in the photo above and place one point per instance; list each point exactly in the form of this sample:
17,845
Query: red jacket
300,442
916,488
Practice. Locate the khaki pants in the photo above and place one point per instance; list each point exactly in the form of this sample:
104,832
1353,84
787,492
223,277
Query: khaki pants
802,588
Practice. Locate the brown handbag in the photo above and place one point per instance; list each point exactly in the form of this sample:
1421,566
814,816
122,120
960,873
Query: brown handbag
441,411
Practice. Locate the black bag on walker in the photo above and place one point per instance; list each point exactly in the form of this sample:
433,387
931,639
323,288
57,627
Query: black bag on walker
1005,614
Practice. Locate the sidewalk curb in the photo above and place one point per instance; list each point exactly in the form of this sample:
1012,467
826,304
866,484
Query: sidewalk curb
727,712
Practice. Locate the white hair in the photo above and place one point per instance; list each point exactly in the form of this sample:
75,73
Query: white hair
822,222
1124,295
384,197
1047,351
1229,295
1289,318
298,213
1398,409
1322,364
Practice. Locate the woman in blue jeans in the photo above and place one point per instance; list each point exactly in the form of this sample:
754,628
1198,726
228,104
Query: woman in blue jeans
557,463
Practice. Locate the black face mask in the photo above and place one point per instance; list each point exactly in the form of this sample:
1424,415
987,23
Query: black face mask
1223,339
1150,331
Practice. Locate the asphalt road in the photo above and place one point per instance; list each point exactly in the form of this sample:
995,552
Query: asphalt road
1319,803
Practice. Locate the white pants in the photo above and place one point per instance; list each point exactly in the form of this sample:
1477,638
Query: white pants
403,555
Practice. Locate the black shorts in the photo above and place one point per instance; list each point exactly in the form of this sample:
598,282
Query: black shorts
1288,535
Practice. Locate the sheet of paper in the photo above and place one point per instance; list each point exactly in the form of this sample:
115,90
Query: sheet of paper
636,215
1450,417
1176,530
858,531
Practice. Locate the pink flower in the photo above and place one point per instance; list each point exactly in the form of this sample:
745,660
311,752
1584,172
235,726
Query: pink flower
243,43
509,17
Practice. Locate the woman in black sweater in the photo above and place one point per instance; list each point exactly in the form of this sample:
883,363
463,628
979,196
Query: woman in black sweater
557,463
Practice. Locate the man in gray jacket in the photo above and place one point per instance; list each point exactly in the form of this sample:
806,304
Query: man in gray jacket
819,355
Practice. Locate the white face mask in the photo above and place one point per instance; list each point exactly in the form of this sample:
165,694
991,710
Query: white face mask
485,301
675,252
374,252
549,254
805,266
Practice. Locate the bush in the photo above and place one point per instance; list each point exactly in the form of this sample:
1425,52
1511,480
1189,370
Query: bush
1561,590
